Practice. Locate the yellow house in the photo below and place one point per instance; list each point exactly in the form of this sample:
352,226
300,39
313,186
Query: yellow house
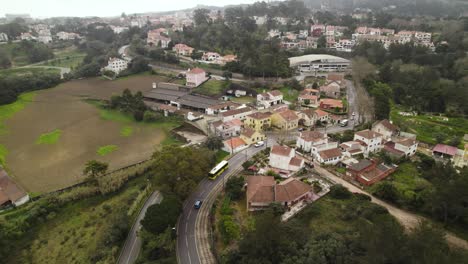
251,136
258,121
285,120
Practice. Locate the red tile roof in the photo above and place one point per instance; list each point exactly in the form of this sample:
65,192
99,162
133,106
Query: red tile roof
388,125
321,113
291,189
260,115
295,161
289,115
196,71
330,153
312,135
234,142
369,134
281,150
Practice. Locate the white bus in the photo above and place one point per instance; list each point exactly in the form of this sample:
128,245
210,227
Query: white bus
218,169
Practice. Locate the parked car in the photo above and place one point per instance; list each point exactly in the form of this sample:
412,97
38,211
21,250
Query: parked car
344,122
259,144
197,204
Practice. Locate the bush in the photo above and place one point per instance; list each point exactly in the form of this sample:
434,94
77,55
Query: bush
150,116
387,191
340,192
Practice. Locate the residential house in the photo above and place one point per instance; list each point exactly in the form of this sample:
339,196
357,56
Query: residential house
263,190
116,65
195,77
258,121
332,89
211,57
309,97
62,35
155,38
239,113
313,142
331,104
182,49
27,36
222,107
444,151
234,145
44,36
10,193
322,115
270,98
227,129
352,148
3,37
251,136
285,120
370,140
308,117
368,172
329,156
227,58
335,77
386,128
284,158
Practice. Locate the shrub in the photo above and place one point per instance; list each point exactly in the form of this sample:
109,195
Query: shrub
338,191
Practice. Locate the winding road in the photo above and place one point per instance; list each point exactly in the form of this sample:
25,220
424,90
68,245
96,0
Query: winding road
193,232
131,248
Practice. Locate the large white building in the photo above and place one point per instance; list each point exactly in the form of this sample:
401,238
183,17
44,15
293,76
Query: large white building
319,63
371,140
116,65
195,77
3,37
284,158
314,142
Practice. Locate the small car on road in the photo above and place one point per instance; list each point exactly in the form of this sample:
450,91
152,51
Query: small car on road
197,204
259,144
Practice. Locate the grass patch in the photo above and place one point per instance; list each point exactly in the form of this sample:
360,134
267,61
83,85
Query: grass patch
126,131
27,72
211,87
104,150
289,94
243,100
221,155
427,127
49,138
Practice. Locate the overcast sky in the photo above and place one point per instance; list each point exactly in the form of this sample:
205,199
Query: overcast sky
51,8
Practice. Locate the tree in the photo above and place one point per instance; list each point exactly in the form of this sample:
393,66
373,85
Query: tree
214,142
161,216
321,42
387,191
4,60
93,169
234,187
227,75
201,17
338,191
139,64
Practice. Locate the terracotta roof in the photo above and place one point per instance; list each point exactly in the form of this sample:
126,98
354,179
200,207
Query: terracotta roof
388,125
234,142
290,190
332,102
407,142
196,71
308,97
309,91
312,135
330,153
217,123
260,189
281,150
276,93
248,132
321,113
369,134
445,149
289,115
295,161
235,122
335,77
308,112
9,189
236,111
260,115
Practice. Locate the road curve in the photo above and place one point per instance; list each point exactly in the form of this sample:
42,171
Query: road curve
193,238
131,248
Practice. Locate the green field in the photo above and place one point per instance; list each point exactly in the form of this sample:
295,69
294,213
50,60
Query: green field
104,150
49,138
27,71
86,230
244,99
289,94
211,87
428,127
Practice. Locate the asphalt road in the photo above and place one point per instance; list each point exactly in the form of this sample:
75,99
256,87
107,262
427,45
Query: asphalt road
193,241
131,248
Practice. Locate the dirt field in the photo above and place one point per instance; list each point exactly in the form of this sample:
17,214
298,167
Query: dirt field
47,167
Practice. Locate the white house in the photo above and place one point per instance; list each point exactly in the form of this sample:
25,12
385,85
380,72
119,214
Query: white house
371,140
227,129
330,156
239,113
408,146
314,142
116,65
284,158
234,145
387,129
195,77
182,49
3,37
270,98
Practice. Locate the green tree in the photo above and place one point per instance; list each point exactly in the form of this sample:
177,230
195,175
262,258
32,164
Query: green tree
234,187
387,191
93,169
4,60
214,142
161,216
338,191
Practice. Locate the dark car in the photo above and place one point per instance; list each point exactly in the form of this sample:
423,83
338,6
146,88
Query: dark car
197,204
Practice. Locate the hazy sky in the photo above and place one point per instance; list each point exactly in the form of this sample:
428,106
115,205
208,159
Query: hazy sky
50,8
